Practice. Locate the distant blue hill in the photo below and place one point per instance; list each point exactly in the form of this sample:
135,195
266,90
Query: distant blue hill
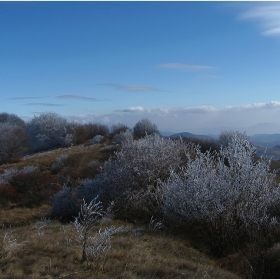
192,136
166,133
265,138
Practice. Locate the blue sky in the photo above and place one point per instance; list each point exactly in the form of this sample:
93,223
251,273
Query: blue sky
200,67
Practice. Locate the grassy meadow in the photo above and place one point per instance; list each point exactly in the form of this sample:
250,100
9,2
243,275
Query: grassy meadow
35,246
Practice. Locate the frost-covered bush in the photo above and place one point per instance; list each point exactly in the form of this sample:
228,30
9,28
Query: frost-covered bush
123,136
130,177
11,119
8,174
118,128
97,139
230,193
59,164
93,129
87,218
90,189
143,127
64,205
237,139
14,141
47,130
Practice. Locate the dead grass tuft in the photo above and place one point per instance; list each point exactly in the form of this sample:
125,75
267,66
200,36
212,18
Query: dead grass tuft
135,253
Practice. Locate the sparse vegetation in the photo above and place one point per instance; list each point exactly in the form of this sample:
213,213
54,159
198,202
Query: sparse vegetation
195,211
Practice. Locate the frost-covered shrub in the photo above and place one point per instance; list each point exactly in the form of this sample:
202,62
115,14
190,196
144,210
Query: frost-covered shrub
14,141
87,218
47,130
95,248
64,205
11,119
143,127
236,139
130,177
8,174
69,139
97,139
90,189
118,128
231,200
93,129
59,164
123,136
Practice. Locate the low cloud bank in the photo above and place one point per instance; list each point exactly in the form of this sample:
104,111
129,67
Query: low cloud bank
252,118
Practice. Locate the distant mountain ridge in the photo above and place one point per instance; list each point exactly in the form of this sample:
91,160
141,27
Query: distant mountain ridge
192,136
266,138
262,140
266,144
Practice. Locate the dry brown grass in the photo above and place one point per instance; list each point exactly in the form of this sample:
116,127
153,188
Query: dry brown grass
22,216
78,155
138,254
52,252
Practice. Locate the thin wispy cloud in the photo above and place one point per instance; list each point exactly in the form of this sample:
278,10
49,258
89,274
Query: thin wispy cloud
186,67
44,104
70,96
25,97
268,16
133,88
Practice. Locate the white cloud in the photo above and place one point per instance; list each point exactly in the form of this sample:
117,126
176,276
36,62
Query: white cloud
186,67
268,15
200,119
133,109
